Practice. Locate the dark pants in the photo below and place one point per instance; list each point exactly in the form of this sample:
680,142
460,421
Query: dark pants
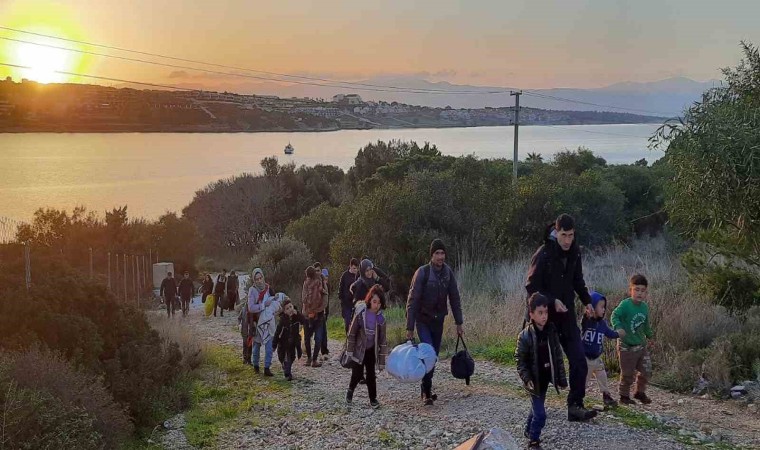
348,313
537,416
232,298
323,347
570,338
356,374
218,304
247,350
170,306
431,333
186,305
287,366
314,328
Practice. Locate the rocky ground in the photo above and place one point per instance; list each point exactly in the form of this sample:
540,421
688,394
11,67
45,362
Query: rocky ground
313,413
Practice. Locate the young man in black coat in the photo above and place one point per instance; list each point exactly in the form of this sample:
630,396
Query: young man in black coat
556,271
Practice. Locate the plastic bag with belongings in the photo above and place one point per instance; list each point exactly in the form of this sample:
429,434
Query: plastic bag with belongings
409,362
210,304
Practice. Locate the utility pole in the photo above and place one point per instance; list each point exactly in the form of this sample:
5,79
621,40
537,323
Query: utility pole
517,95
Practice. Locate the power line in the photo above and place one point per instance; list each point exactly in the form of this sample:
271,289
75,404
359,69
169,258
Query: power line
347,84
217,72
97,77
350,84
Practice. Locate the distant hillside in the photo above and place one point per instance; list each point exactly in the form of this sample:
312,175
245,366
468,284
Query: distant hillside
664,98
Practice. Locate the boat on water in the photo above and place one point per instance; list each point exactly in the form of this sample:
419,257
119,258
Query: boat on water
289,149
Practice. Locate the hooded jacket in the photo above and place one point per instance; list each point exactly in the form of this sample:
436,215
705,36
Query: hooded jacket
312,298
287,336
558,274
356,340
526,356
344,291
593,330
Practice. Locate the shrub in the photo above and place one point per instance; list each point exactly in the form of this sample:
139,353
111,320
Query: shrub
317,229
283,261
61,405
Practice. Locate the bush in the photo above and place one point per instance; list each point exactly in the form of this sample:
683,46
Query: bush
724,284
317,229
61,407
283,261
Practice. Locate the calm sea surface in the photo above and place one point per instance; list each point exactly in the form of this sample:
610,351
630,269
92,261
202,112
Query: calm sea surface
154,173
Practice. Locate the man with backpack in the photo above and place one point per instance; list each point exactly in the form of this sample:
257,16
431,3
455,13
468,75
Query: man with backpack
557,273
432,286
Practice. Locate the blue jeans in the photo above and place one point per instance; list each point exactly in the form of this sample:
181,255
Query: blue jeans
348,314
314,328
430,333
267,354
537,416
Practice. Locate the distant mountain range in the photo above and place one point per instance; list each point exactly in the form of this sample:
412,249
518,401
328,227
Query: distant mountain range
667,97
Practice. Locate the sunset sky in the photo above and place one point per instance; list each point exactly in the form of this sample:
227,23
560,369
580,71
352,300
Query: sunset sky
531,44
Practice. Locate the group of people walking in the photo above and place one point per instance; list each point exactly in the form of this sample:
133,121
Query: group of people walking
171,292
555,277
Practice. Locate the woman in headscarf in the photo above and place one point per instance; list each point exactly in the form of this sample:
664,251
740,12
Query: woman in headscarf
260,296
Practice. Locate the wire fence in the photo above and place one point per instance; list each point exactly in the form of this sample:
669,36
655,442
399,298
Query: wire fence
128,275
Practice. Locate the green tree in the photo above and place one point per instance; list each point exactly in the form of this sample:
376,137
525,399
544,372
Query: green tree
317,229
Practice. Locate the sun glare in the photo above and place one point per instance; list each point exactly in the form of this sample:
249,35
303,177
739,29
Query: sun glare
44,63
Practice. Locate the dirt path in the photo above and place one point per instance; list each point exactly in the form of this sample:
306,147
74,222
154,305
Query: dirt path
314,414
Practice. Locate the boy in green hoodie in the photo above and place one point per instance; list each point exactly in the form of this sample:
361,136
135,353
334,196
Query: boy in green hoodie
632,315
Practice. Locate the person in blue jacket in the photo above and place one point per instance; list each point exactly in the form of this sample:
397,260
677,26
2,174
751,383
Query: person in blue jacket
595,329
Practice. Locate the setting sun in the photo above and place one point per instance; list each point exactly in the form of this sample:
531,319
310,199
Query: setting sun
44,62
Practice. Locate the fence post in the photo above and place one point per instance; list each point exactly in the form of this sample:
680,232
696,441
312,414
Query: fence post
91,263
109,271
134,279
126,295
27,265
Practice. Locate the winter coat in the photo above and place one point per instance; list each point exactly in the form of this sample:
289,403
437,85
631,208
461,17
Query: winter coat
427,302
552,277
168,288
356,341
232,283
526,356
362,285
345,295
221,282
207,288
186,289
243,319
287,336
312,298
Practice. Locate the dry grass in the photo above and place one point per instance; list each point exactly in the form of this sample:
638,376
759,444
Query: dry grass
173,332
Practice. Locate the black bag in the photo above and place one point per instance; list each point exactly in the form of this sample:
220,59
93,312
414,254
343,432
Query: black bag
462,364
345,361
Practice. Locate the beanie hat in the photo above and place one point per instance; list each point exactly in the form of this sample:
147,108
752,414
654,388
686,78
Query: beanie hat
436,245
596,298
365,265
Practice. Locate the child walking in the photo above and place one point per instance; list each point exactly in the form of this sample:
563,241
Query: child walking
594,329
366,343
632,316
287,337
539,362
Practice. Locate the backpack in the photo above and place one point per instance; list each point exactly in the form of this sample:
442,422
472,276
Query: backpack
462,364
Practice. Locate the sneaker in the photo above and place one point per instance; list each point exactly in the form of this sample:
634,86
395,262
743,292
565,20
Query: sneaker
535,444
267,372
427,401
349,396
577,413
608,400
374,403
316,363
642,397
289,377
626,400
325,357
255,369
308,362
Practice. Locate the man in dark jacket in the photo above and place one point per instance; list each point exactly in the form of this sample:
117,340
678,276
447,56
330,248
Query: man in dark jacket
232,290
345,295
369,275
186,290
432,285
556,272
169,293
219,290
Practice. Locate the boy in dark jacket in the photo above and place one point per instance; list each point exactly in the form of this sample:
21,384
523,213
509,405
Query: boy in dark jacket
594,330
287,338
539,362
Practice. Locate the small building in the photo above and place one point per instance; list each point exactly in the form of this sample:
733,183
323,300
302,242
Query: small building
160,270
348,99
